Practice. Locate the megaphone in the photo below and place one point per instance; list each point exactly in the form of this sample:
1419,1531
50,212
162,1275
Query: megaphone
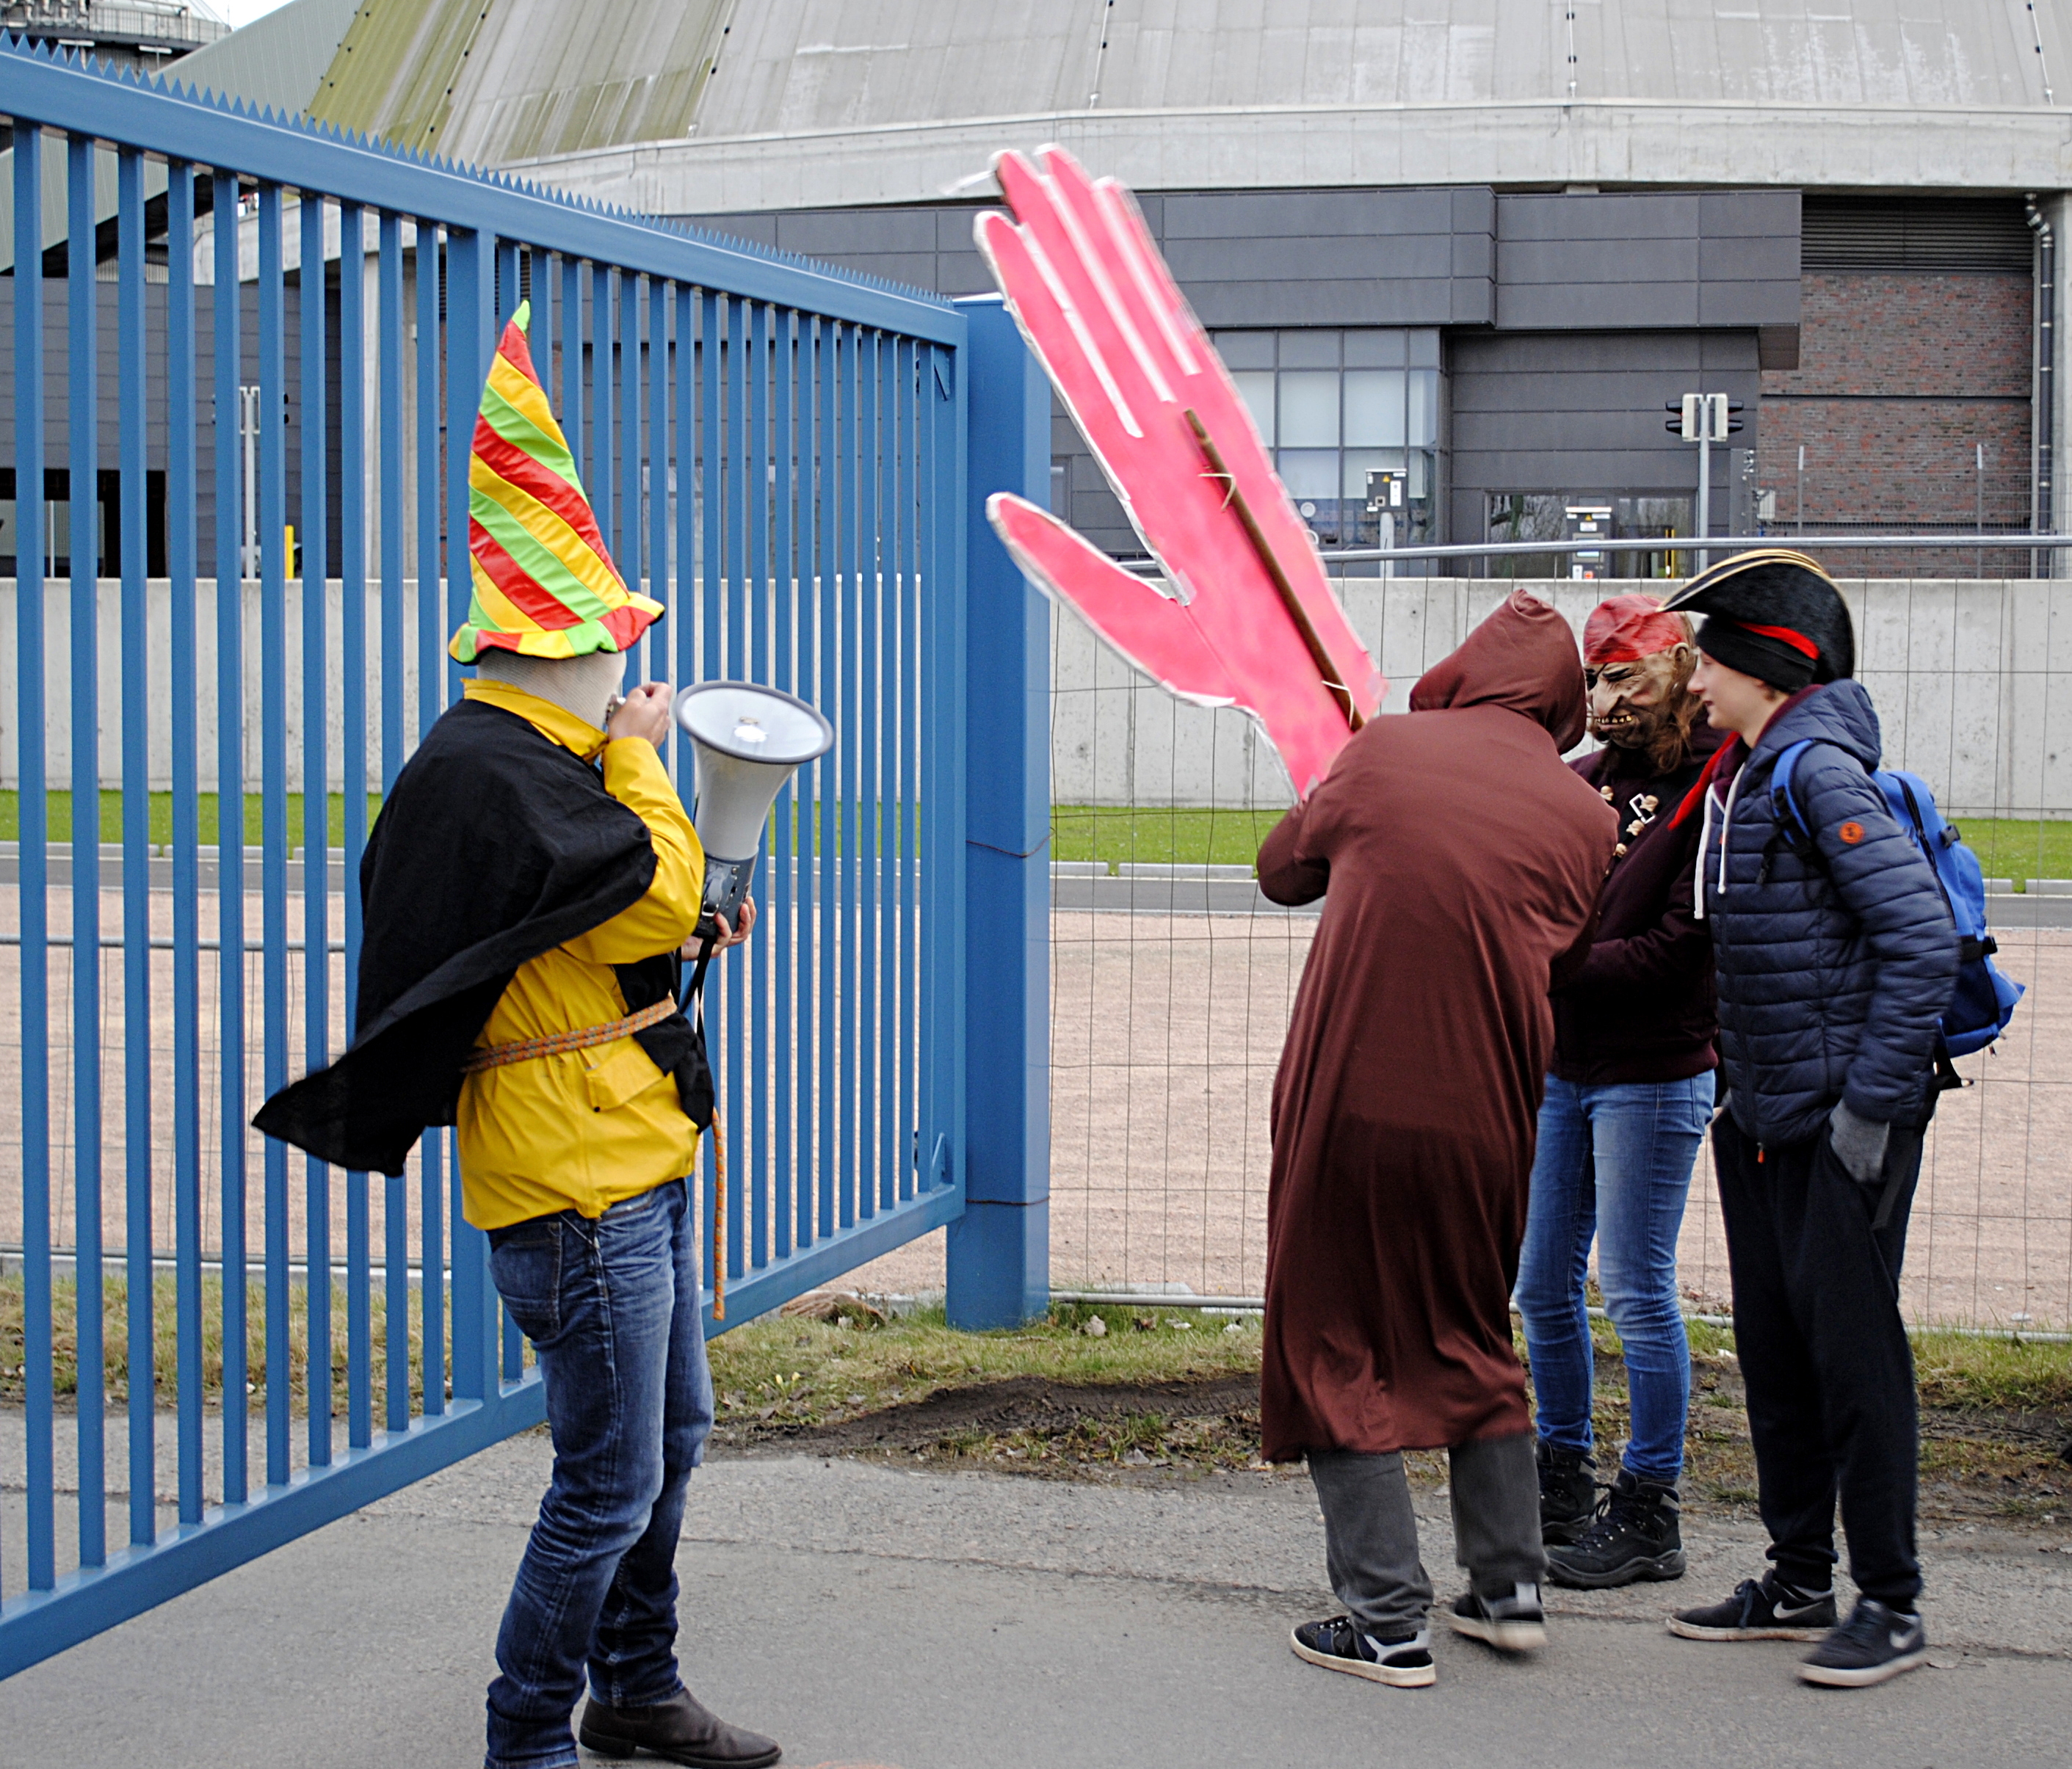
746,740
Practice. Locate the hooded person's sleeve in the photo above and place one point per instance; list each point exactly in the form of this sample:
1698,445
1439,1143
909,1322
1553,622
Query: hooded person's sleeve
1287,874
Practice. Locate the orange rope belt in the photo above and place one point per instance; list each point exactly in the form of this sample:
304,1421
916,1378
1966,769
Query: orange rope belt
497,1055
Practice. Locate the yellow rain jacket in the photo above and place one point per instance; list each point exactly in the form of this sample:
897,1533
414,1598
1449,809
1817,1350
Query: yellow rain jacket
583,1129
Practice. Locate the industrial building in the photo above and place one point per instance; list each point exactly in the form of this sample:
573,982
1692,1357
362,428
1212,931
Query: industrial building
1460,254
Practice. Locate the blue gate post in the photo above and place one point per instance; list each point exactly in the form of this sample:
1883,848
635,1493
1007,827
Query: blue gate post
999,1248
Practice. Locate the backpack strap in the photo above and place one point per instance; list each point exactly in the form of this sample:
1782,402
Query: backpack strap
1783,801
1788,823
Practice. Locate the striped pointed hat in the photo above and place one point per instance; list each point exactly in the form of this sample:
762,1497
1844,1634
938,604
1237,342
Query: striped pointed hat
545,586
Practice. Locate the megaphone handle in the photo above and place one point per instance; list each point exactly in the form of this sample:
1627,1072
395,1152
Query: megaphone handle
719,1216
695,996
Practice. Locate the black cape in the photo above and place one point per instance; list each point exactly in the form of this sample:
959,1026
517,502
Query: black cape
495,844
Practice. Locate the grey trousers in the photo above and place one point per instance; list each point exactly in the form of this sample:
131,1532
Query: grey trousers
1371,1533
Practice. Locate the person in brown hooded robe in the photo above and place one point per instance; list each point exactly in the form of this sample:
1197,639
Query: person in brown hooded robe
1463,860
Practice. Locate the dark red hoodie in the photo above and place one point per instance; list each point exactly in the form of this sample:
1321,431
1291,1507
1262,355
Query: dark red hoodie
1641,1008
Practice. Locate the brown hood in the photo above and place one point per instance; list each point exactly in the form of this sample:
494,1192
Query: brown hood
1524,658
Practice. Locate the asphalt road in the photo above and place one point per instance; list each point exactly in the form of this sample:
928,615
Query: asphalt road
875,1618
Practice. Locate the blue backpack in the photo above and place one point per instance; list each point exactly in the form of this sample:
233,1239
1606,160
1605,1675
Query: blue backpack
1983,1001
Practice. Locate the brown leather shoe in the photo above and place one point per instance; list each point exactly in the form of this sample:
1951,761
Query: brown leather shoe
681,1729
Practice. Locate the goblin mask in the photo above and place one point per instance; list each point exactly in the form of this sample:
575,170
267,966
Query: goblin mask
1637,663
1631,702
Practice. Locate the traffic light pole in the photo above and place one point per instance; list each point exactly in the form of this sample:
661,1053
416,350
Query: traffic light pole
1704,419
1704,480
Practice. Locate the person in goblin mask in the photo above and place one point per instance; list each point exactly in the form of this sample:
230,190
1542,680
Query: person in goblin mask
1627,1102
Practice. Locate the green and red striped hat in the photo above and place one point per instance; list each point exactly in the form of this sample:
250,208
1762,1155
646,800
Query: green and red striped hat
544,584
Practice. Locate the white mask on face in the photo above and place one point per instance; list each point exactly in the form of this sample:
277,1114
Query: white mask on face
583,686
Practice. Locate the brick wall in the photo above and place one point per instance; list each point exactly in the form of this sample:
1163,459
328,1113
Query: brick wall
1901,375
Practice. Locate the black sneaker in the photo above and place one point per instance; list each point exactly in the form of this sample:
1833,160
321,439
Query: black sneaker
1515,1624
1770,1610
1874,1643
1339,1645
1636,1535
1568,1493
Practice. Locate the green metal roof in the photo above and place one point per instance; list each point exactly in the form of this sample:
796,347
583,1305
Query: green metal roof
489,81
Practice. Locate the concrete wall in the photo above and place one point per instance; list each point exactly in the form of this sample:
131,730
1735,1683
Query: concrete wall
1973,683
57,682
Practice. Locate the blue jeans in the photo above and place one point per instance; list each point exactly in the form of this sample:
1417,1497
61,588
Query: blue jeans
1615,1163
611,1306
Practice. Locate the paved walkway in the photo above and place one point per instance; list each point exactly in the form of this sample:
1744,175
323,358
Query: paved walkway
879,1618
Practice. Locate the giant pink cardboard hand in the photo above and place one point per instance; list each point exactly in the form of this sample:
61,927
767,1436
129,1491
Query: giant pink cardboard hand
1256,624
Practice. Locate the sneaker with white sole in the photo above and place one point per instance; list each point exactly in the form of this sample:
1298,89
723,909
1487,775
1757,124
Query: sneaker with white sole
1512,1623
1770,1610
1877,1642
1339,1644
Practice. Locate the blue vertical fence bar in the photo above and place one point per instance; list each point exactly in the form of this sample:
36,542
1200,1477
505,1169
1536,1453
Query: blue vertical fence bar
183,437
470,315
602,481
395,1212
226,299
777,454
783,860
31,566
734,367
430,270
999,1257
274,567
660,462
352,762
752,594
848,732
805,791
628,480
870,509
909,653
313,535
132,444
82,399
828,775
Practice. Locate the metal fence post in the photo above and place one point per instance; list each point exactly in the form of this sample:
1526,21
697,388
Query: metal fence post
999,1248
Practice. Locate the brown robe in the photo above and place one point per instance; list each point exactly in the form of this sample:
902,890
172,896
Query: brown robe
1463,861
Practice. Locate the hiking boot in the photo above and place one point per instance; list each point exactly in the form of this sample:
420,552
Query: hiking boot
1512,1623
1339,1644
1874,1643
682,1729
1636,1535
1568,1493
1770,1610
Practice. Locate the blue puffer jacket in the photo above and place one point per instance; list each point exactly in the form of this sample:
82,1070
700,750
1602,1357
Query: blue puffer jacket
1833,972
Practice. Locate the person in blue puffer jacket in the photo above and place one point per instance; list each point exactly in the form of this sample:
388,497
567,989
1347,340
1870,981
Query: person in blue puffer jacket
1834,960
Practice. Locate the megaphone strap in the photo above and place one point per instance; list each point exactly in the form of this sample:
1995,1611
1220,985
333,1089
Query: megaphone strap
499,1056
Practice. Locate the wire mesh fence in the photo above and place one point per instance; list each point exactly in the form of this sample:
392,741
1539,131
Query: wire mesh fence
1173,980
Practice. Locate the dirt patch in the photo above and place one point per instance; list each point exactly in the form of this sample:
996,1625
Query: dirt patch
1063,1427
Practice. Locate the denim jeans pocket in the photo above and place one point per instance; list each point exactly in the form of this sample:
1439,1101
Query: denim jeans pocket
526,1263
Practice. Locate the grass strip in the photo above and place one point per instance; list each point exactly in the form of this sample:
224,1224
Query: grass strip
2007,847
810,1370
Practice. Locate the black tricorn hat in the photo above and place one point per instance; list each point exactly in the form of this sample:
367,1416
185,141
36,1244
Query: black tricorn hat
1774,614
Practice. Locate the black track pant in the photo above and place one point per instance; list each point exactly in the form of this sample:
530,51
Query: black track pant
1830,1375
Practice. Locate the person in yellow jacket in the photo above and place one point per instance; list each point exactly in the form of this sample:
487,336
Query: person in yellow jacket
574,1161
528,891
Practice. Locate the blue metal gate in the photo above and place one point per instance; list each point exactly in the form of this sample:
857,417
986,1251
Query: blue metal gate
774,450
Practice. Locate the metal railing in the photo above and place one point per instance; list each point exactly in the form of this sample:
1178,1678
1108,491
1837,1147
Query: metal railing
774,450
